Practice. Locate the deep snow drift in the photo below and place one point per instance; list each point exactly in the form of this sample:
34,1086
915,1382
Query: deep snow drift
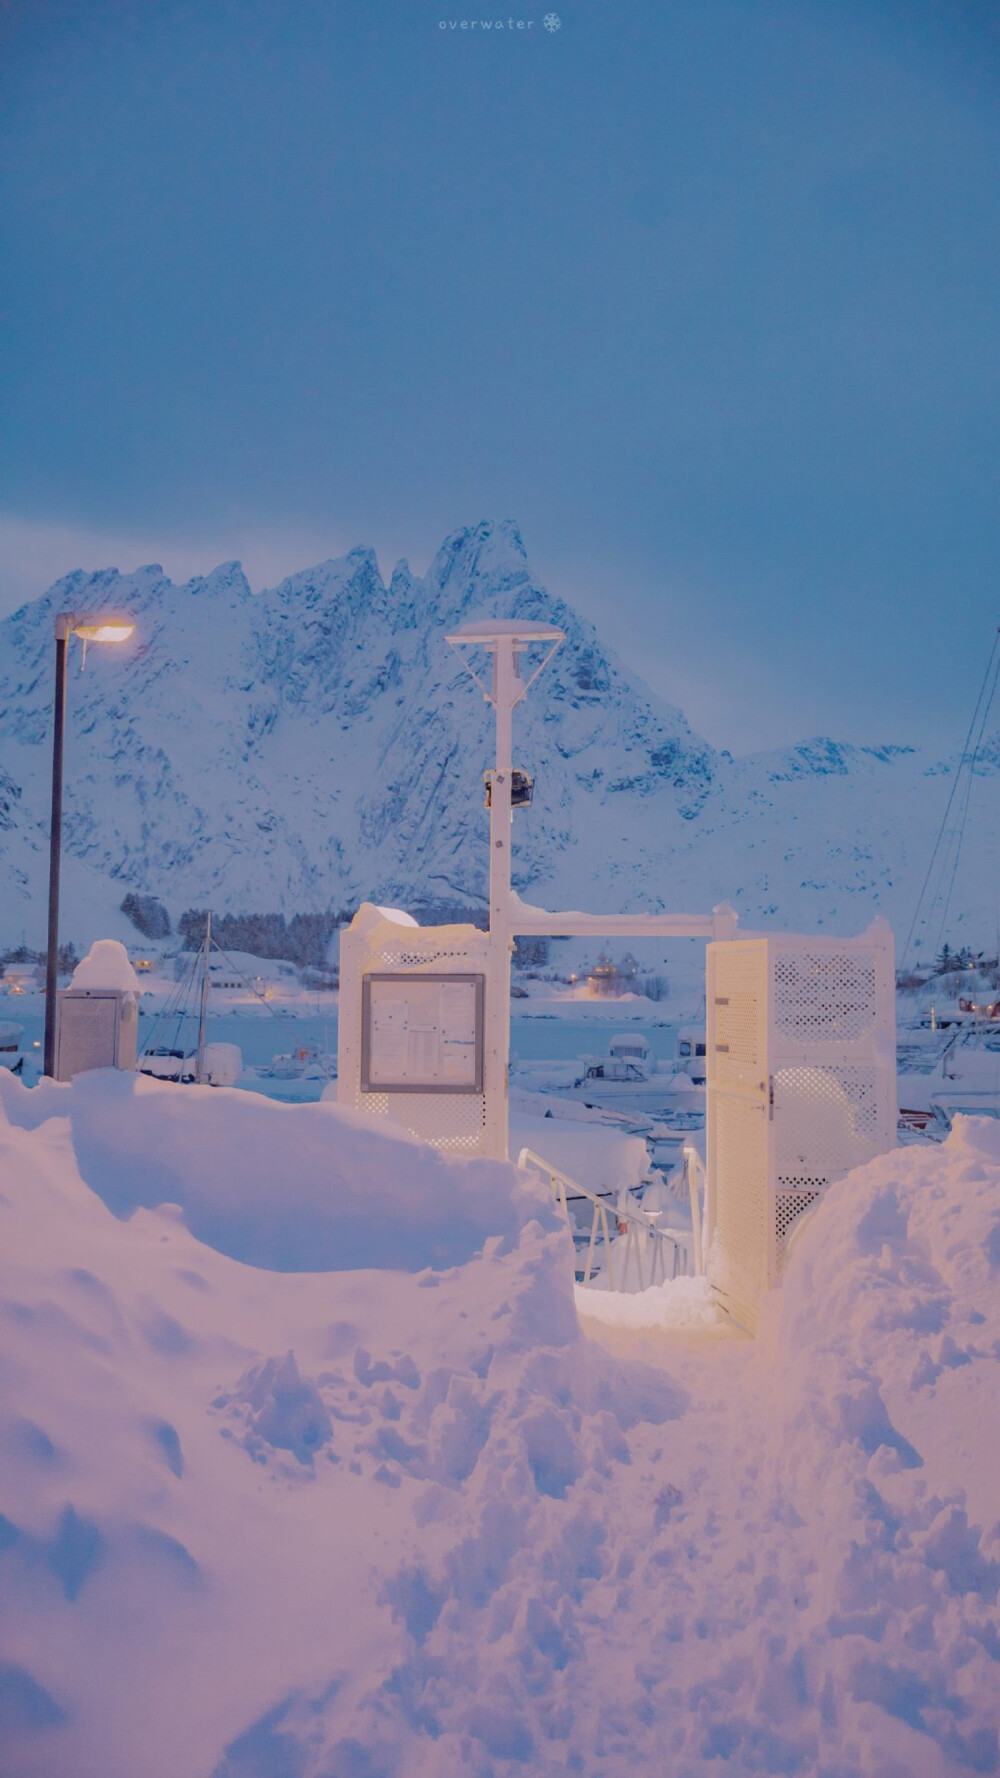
350,1521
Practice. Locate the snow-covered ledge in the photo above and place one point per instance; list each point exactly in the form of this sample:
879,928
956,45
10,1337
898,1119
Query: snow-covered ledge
526,920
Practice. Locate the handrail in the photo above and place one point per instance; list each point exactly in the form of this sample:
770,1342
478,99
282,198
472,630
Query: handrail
697,1181
642,1238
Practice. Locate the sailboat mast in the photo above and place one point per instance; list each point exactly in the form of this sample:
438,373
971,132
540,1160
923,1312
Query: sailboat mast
199,1072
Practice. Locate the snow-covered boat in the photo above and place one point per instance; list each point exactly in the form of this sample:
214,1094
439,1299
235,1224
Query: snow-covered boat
283,1067
11,1054
306,1063
961,1077
222,1064
691,1054
628,1059
668,1138
169,1064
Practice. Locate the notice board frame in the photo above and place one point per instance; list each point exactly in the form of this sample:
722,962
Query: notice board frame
442,978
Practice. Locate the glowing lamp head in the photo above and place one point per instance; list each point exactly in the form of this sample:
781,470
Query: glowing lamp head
92,629
104,632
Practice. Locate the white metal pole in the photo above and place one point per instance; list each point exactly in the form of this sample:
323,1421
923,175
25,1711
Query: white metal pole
199,1066
506,690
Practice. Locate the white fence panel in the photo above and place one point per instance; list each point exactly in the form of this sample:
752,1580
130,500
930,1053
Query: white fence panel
801,1088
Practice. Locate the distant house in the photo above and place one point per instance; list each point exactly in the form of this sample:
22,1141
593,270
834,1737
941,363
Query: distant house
609,978
603,978
236,972
22,978
222,975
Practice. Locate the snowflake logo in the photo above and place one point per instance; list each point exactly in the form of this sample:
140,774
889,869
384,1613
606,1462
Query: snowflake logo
552,21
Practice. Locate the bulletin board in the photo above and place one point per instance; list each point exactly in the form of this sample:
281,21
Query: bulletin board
422,1033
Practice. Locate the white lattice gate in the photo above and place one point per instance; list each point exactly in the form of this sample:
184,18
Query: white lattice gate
801,1088
411,1043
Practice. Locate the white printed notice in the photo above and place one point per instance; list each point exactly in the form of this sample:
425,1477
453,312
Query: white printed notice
423,1032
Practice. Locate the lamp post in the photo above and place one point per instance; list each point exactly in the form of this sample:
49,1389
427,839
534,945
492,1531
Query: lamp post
90,630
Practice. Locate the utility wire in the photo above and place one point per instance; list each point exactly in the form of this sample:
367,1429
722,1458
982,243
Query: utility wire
177,1003
941,854
968,796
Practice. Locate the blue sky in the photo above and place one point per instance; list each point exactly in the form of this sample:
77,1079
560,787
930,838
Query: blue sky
703,294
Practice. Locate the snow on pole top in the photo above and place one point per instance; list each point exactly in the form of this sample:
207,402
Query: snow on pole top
106,965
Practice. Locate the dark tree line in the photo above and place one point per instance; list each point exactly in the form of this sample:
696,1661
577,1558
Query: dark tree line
304,939
147,914
66,961
947,959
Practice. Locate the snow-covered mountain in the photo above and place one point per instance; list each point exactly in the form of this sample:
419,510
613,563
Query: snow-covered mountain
319,743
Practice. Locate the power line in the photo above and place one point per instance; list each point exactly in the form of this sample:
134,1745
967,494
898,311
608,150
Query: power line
941,854
968,795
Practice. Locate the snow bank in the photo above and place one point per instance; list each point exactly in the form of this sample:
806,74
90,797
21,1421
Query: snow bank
402,1523
293,1188
886,1432
26,1108
678,1305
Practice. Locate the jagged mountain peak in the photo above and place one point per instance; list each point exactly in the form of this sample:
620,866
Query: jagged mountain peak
227,578
324,579
319,744
492,551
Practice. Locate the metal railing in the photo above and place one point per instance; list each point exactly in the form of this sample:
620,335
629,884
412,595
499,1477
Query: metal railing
623,1239
702,1201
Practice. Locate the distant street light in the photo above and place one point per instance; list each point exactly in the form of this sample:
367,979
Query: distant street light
90,629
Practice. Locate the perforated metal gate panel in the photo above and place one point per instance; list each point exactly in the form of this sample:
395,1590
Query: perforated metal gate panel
801,1088
375,944
822,997
87,1034
444,1121
95,1028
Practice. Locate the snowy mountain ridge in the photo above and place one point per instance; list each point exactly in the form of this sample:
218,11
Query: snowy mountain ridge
319,743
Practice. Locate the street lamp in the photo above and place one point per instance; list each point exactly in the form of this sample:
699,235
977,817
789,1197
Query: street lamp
89,629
